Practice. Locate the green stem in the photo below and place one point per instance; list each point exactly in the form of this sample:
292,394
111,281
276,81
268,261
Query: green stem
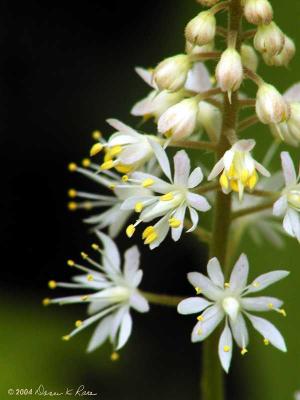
162,299
189,144
252,210
212,385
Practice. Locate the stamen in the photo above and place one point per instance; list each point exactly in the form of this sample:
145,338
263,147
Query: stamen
114,356
84,298
90,278
46,301
52,284
244,351
167,197
255,284
78,323
130,230
174,222
147,182
115,150
84,255
266,342
227,285
223,181
72,167
226,348
151,238
66,338
107,165
147,231
72,193
112,186
200,318
72,206
70,263
96,148
95,246
282,312
86,162
198,290
96,135
200,331
138,207
125,178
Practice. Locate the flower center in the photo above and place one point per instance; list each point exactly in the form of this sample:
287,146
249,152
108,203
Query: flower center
231,307
294,199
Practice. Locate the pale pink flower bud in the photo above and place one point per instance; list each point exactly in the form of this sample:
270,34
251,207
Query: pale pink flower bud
229,71
201,30
207,3
258,12
171,73
249,57
271,108
269,39
284,57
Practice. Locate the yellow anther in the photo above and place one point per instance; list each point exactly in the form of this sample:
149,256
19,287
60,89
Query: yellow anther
174,222
198,290
199,332
167,197
95,149
244,176
271,306
151,238
115,150
252,181
282,312
244,351
72,193
255,284
84,255
231,173
70,263
200,318
266,342
46,301
138,207
84,298
72,167
123,169
112,186
72,206
148,231
86,162
95,246
78,323
66,338
147,182
226,348
96,135
114,356
130,230
234,186
125,178
168,133
90,278
52,284
107,165
223,181
213,80
227,285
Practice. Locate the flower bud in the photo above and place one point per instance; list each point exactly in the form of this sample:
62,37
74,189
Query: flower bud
207,3
210,118
271,108
229,71
179,121
269,39
249,57
194,50
258,12
289,131
201,30
171,73
284,57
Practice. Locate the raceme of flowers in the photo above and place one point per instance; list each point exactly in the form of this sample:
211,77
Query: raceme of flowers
144,183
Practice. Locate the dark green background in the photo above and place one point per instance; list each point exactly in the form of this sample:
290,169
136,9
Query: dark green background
65,69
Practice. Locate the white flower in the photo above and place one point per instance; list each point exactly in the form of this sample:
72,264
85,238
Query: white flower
258,12
239,168
170,205
249,57
229,301
229,71
269,39
284,57
110,294
126,150
113,217
289,202
171,74
289,130
271,107
201,30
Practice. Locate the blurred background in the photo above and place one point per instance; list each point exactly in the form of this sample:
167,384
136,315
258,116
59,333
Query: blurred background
64,70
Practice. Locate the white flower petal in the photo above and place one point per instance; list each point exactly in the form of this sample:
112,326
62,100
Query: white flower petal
265,280
244,145
195,178
162,158
260,168
121,127
228,158
217,169
137,278
291,223
139,303
131,262
198,202
111,258
240,331
194,218
179,214
100,334
159,185
198,79
239,274
125,330
162,228
262,303
212,316
142,107
293,93
268,331
181,168
192,305
145,74
280,206
215,273
288,168
117,320
225,348
207,287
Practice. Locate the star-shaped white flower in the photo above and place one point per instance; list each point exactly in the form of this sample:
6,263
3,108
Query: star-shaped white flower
230,301
238,168
172,201
111,293
112,218
289,202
